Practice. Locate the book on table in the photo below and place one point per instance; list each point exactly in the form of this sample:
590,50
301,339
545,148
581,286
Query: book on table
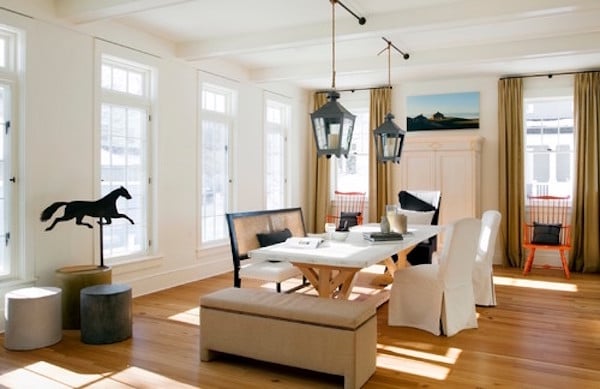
382,236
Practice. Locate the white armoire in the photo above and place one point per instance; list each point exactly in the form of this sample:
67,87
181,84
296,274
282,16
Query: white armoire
448,163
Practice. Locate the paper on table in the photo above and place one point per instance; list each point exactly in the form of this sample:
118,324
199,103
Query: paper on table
304,243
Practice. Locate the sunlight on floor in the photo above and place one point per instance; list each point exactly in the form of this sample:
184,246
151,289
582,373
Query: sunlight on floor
140,378
191,316
548,285
451,356
43,375
416,362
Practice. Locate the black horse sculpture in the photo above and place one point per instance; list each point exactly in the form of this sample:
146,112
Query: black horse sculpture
105,208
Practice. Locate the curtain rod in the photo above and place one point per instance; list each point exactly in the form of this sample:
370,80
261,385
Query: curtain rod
354,89
549,75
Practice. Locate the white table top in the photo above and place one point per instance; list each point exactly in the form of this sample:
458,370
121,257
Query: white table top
355,251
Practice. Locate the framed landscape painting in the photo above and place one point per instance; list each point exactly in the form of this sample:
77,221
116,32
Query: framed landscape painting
450,111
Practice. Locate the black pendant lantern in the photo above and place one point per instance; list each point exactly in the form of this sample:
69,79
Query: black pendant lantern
389,140
332,126
332,123
389,137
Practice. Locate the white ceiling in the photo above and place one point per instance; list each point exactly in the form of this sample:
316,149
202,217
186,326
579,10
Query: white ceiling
291,40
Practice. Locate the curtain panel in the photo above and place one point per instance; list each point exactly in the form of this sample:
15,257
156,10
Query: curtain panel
318,178
511,164
380,174
585,254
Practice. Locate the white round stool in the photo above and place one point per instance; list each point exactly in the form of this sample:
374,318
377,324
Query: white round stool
33,318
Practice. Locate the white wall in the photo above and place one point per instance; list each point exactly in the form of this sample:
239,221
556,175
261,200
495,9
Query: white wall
58,149
488,123
488,128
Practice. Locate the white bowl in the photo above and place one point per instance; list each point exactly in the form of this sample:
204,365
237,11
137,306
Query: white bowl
339,235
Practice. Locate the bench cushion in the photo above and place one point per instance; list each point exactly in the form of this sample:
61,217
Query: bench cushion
293,307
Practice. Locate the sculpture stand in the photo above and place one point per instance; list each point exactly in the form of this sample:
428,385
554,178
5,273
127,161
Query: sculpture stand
101,243
71,280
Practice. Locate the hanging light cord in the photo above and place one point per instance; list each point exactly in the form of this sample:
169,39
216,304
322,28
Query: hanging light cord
333,44
361,21
389,65
388,48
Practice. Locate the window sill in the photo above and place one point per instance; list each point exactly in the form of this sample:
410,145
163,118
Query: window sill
137,264
9,284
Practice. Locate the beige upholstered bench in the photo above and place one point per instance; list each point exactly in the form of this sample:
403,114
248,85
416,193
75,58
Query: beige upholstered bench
338,337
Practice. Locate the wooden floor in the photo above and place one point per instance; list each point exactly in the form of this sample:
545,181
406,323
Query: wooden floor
544,333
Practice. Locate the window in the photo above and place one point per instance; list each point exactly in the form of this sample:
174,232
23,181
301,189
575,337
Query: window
352,174
124,154
549,145
216,126
9,216
277,122
6,187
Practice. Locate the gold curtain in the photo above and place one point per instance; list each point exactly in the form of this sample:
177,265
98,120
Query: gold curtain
511,152
586,209
318,178
380,174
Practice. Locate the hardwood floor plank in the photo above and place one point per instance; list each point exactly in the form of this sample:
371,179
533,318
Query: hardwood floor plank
544,333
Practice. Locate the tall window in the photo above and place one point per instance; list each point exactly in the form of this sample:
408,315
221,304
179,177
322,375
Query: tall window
5,175
8,154
124,153
277,122
549,145
352,174
216,125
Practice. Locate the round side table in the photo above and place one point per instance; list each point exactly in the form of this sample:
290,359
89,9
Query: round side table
71,280
106,314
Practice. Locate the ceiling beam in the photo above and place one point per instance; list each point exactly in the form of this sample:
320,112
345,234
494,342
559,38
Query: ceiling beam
422,19
86,11
545,50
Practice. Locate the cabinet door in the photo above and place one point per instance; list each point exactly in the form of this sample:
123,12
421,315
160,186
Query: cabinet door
455,176
418,170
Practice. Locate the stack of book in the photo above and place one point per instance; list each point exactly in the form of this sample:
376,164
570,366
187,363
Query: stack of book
382,236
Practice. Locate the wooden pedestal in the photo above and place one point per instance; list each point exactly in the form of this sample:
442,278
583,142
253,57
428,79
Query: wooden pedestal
71,280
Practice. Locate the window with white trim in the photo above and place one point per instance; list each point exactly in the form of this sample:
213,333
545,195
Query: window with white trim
9,216
352,174
549,146
124,154
218,107
277,122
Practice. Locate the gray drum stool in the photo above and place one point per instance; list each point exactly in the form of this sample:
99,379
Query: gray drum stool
105,313
33,318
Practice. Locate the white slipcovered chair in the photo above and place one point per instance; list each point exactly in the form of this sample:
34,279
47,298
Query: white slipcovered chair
439,297
483,273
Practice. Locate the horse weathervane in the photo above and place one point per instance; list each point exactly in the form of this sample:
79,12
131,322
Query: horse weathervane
104,209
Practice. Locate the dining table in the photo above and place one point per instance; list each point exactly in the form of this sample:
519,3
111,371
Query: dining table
332,266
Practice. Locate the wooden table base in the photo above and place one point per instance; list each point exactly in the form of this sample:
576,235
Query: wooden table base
330,281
